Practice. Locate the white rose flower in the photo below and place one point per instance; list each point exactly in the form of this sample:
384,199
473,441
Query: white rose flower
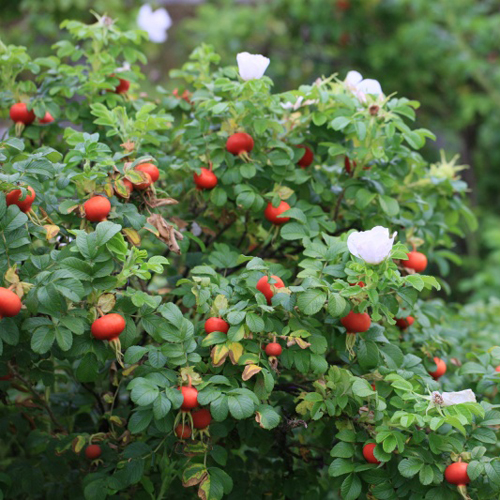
252,66
359,87
155,23
372,246
454,398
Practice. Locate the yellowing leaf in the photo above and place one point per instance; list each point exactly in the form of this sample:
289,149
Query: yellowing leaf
219,354
220,303
106,302
235,351
11,275
52,231
250,371
302,343
193,474
132,236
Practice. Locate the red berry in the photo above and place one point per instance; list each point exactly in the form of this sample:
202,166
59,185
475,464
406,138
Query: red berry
271,213
404,323
343,5
186,95
190,397
239,143
456,473
201,418
93,451
108,327
183,431
440,370
150,169
497,369
356,322
264,286
359,283
273,349
368,453
216,325
206,180
122,87
7,377
141,186
97,208
13,198
347,165
19,114
307,157
416,261
47,118
10,303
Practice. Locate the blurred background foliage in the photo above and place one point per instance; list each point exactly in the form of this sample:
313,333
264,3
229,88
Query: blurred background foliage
444,54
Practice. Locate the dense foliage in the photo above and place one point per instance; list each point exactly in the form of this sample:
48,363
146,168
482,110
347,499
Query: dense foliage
162,257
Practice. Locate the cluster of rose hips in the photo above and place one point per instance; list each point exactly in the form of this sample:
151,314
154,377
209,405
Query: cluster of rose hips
455,473
239,144
201,417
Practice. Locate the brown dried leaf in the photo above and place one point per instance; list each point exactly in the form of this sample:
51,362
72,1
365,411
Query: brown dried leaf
181,224
161,202
128,146
167,233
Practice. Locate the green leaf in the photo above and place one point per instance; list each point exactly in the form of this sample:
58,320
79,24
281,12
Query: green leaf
311,301
267,416
351,487
240,406
389,205
337,305
64,338
105,231
42,339
408,467
254,322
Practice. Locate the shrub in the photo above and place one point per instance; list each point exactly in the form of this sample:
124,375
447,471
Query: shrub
110,348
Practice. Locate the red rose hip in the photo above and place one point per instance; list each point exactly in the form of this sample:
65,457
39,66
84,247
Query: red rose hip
150,169
19,114
273,349
307,157
440,368
190,395
183,431
356,322
108,327
97,208
93,451
201,418
216,325
205,180
10,303
240,142
14,198
456,473
368,453
404,323
272,213
122,87
416,261
264,286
